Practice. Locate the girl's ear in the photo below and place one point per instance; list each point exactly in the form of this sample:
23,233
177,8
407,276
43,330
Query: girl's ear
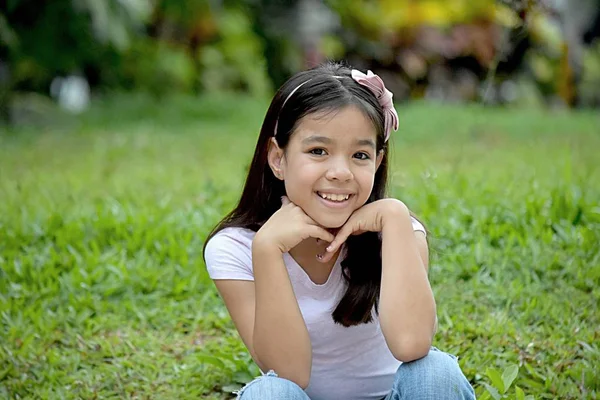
275,158
379,159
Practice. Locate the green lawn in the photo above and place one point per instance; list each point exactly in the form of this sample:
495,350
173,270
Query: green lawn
103,291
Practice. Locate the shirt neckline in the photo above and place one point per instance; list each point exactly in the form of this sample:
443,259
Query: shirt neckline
333,277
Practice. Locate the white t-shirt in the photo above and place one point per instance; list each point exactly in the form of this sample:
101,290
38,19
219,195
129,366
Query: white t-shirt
347,363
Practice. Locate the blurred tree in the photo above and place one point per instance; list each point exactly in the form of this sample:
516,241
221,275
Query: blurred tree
562,31
219,40
189,24
435,48
273,22
41,40
575,19
440,49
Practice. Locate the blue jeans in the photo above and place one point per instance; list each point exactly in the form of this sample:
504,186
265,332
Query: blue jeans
436,376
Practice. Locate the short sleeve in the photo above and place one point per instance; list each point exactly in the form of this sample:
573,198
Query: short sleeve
417,226
228,255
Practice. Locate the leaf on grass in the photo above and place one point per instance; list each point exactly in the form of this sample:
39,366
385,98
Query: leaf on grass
519,393
242,377
492,391
484,396
5,372
496,379
204,358
230,388
509,375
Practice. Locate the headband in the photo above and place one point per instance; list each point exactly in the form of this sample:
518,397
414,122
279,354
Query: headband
375,85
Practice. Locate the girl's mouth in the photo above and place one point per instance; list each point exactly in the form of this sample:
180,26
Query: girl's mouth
333,200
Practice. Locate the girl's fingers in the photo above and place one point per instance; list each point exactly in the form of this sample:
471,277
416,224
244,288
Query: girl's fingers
320,233
325,257
285,201
340,238
328,237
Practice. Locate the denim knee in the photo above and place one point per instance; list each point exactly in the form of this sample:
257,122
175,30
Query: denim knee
271,387
435,376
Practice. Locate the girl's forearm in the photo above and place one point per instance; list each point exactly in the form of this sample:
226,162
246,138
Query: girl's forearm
407,309
280,339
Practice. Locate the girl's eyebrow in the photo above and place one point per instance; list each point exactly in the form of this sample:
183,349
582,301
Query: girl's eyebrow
317,139
326,140
366,142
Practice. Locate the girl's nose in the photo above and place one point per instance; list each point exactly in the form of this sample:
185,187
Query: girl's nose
339,172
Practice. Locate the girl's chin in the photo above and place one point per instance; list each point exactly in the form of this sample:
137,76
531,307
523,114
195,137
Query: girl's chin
330,223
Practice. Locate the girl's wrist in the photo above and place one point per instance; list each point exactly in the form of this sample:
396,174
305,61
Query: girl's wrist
263,246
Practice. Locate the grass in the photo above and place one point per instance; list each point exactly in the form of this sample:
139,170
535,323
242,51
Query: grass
103,291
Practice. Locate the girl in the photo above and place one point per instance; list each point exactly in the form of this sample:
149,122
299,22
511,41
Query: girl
324,277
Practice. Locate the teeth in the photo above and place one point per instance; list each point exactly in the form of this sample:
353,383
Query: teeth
334,197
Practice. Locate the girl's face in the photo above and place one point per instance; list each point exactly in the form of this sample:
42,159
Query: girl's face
329,164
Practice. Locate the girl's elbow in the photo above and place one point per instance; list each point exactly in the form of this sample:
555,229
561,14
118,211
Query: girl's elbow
300,378
303,381
300,375
411,349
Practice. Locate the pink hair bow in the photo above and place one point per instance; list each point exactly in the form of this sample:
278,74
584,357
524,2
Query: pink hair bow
375,84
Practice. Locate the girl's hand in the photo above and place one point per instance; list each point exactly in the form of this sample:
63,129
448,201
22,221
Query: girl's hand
287,227
369,218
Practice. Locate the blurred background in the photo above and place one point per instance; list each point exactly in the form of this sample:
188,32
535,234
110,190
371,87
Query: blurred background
504,52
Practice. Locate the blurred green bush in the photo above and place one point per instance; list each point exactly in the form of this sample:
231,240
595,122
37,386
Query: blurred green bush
439,49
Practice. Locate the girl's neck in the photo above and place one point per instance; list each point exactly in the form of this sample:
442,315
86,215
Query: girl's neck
311,247
305,254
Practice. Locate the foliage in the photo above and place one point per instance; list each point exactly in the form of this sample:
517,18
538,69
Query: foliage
66,36
103,292
437,49
501,384
158,67
386,15
234,61
114,21
589,89
191,44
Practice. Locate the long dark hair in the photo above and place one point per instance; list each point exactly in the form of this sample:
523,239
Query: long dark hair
326,88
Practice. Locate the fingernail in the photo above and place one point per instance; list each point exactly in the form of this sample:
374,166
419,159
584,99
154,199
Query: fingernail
320,256
329,248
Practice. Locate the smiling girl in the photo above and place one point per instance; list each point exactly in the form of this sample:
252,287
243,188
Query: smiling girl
325,278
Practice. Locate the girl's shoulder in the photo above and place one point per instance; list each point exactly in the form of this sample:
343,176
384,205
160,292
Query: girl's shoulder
231,238
228,254
235,233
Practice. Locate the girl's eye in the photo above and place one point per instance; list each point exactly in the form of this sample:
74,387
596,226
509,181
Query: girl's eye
317,152
362,156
